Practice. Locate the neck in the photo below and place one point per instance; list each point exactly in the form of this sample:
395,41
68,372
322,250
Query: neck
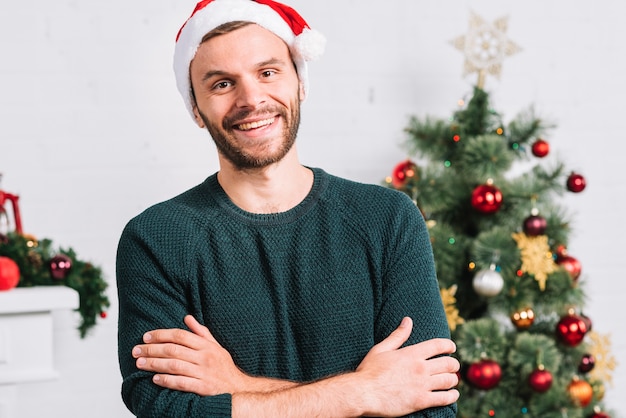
273,189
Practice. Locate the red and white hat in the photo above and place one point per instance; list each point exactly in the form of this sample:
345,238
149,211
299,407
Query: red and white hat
304,43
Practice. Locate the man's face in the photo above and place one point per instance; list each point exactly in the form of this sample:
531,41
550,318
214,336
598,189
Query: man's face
247,95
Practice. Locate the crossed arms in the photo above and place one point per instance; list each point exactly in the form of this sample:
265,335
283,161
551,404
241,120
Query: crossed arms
390,381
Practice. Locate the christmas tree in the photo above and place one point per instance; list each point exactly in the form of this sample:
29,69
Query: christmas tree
514,297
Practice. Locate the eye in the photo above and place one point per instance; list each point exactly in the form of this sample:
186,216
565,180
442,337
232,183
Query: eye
267,73
221,85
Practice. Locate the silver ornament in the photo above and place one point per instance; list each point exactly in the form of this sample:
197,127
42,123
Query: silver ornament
488,283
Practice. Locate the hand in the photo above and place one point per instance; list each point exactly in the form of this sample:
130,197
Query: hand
408,379
189,361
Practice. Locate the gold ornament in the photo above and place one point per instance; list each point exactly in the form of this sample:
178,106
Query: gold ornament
536,256
523,318
605,363
449,303
485,46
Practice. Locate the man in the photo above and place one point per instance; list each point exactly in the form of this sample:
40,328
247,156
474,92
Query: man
307,285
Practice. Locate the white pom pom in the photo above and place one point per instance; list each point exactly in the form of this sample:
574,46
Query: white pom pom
310,44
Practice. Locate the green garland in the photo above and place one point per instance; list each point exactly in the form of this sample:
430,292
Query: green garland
33,258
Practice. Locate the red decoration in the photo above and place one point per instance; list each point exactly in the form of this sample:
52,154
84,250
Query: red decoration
581,392
4,196
485,374
598,414
571,329
587,363
535,225
103,315
9,274
576,183
403,173
540,380
540,148
487,198
60,266
570,264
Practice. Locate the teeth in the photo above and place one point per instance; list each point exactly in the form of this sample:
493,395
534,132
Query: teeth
253,125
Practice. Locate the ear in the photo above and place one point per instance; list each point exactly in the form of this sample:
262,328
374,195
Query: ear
197,117
302,91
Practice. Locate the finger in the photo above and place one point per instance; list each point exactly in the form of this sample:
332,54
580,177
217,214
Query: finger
174,366
173,335
442,397
198,328
181,383
164,351
433,348
397,336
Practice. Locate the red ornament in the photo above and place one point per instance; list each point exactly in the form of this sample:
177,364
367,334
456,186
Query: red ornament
571,330
598,414
535,225
60,266
486,198
572,266
484,375
581,392
9,274
540,148
576,183
403,173
103,315
540,380
587,363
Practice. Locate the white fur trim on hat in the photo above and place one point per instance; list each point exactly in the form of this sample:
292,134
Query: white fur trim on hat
305,46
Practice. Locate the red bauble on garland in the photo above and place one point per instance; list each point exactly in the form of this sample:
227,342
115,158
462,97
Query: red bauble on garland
570,264
571,329
576,183
403,173
540,148
484,375
540,380
487,198
60,266
9,274
535,225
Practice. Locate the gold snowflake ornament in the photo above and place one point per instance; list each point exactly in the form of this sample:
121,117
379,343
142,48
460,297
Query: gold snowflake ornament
449,303
605,363
485,47
536,256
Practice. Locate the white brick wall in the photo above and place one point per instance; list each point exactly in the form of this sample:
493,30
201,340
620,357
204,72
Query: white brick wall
92,130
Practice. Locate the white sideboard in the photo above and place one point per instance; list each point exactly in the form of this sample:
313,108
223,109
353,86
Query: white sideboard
26,337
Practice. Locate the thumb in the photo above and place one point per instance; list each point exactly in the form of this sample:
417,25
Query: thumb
397,336
198,329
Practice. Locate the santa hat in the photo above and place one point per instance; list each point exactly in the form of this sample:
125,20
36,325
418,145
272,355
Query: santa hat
304,43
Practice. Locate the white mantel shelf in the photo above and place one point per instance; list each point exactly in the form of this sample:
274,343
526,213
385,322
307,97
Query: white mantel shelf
37,299
26,332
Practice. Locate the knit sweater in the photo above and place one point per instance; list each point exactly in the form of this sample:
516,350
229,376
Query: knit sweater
297,295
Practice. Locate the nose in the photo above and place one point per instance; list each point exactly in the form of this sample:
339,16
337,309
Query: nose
250,93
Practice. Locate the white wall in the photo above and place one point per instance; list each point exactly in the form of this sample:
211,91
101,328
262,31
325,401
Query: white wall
92,130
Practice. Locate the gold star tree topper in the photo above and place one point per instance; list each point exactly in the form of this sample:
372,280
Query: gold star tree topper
485,47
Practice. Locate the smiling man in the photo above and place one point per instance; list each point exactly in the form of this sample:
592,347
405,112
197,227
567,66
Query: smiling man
273,289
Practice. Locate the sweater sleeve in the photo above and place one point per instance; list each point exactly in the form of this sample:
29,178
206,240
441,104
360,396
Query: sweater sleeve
410,286
152,296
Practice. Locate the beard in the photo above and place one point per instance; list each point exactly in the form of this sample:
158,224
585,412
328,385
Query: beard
227,144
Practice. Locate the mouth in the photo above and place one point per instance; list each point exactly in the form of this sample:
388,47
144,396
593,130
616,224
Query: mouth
256,124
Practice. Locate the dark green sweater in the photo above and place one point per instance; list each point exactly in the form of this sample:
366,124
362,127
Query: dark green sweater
297,295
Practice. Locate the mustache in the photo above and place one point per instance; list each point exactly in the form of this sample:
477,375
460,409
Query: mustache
237,116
